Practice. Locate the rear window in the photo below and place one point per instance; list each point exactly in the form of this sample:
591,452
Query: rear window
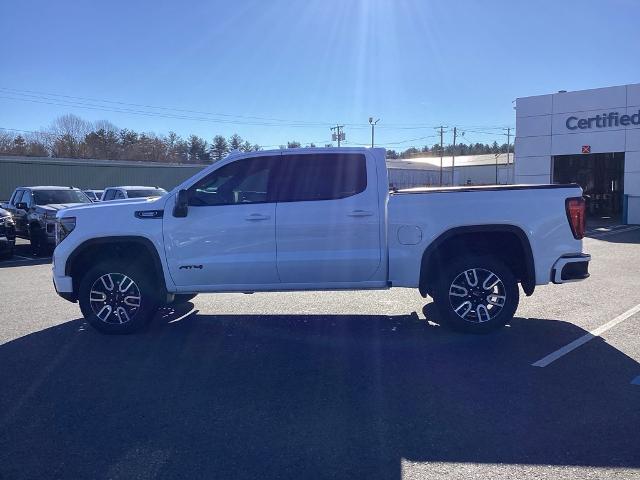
322,177
48,197
150,192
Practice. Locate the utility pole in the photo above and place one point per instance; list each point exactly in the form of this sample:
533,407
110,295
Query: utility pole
339,134
373,126
441,152
508,129
508,148
453,157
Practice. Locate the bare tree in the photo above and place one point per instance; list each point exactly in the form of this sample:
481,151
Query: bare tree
69,131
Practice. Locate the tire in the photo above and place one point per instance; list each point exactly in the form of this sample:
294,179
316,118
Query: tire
9,253
38,241
180,298
111,310
476,294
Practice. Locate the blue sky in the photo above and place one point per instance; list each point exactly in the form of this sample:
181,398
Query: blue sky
415,64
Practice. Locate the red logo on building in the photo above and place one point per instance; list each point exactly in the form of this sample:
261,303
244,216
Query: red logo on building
586,148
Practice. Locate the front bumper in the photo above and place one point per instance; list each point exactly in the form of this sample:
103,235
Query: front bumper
571,268
50,233
64,288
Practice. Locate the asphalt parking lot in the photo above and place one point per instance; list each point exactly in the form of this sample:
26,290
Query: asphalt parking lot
325,385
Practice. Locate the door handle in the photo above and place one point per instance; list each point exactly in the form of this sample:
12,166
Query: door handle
360,213
253,217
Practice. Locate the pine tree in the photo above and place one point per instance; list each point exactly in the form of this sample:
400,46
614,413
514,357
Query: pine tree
219,148
235,142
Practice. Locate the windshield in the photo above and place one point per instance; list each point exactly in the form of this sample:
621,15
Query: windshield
48,197
149,192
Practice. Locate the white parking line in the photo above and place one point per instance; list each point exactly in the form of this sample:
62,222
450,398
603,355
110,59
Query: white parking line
614,232
552,357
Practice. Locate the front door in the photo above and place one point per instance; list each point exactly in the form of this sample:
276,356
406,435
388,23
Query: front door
20,215
328,220
227,238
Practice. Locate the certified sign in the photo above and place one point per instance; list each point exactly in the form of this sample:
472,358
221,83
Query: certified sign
604,120
586,148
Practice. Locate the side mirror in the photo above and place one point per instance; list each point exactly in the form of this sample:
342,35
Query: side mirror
22,206
181,207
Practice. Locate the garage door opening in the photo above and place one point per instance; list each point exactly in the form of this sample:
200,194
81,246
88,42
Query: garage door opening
601,176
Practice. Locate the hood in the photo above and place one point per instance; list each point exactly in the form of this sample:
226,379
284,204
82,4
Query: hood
54,207
131,200
102,208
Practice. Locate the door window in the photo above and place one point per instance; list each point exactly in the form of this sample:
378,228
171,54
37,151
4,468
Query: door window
241,182
27,198
17,197
108,195
119,195
322,177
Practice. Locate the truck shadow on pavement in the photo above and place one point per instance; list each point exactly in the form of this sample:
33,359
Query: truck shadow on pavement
23,257
308,396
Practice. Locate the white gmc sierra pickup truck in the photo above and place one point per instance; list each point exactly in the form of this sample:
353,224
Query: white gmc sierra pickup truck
318,219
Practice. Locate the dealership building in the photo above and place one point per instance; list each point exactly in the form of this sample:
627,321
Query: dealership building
590,137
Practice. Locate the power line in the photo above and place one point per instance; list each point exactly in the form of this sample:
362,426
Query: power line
85,102
76,99
153,114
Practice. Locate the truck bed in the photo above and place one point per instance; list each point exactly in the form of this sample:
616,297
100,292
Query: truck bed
483,188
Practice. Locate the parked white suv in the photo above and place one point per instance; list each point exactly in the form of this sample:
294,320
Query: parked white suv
119,193
319,219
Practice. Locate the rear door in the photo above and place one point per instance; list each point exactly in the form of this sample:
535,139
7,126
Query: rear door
327,218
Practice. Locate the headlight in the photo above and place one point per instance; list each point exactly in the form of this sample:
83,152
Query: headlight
64,226
7,219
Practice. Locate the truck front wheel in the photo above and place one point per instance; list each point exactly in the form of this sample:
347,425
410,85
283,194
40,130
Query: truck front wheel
476,294
117,298
38,240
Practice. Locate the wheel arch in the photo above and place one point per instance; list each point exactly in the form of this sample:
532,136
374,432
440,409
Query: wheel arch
33,223
518,257
136,248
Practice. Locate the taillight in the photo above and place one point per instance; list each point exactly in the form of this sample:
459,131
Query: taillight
575,214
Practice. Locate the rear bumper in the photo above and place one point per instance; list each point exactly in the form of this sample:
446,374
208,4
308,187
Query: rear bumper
571,268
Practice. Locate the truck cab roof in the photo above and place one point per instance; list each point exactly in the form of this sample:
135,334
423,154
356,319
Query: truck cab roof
133,187
50,187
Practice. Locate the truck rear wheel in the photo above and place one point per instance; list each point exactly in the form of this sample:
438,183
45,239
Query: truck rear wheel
117,298
476,294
